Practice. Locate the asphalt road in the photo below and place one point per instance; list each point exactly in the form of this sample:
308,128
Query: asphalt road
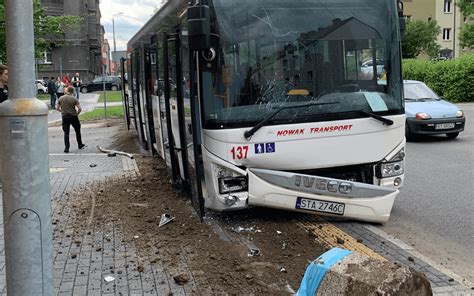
435,210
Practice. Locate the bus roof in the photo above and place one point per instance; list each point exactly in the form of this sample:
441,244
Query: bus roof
150,28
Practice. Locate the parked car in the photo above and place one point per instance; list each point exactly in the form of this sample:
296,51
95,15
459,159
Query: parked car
41,87
111,83
367,67
428,114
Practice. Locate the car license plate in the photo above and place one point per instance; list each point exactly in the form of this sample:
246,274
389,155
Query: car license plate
320,206
440,126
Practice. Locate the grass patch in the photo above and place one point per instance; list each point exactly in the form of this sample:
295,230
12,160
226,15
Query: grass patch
112,96
43,97
98,113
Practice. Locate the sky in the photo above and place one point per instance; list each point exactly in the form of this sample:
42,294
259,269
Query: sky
135,14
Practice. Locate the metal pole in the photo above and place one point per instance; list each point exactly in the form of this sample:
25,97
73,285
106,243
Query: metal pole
61,67
24,156
105,94
113,31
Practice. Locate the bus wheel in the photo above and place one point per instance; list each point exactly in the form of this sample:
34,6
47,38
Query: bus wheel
114,88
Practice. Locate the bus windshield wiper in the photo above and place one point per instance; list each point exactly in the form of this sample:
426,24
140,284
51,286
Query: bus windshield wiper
373,115
248,134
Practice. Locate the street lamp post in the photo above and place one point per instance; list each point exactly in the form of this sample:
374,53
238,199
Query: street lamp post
113,33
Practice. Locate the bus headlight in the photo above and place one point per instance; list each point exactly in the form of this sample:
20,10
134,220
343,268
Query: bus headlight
390,169
232,184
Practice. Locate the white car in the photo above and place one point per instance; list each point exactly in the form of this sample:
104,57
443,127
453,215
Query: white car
367,68
41,87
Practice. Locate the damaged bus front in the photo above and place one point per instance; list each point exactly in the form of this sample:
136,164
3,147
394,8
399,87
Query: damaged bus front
301,107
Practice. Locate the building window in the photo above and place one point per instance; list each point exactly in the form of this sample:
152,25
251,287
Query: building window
446,34
47,57
447,6
153,58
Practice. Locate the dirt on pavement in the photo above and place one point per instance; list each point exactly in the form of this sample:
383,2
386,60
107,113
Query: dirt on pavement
210,257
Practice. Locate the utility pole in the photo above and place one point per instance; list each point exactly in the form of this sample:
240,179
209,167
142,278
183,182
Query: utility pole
24,159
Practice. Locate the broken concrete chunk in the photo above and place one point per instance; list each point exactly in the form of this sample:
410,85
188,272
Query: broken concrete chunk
181,279
356,274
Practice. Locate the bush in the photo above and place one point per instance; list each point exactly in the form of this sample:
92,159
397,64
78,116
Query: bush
452,79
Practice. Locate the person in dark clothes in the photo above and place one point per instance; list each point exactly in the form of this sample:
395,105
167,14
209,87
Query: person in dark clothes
70,109
52,89
3,81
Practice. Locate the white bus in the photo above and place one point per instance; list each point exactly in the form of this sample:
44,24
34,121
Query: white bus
270,103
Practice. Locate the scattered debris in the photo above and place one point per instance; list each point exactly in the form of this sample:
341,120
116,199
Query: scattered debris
93,165
282,269
359,240
254,253
181,279
279,232
240,229
135,236
339,240
450,280
109,278
283,246
129,155
140,269
165,219
411,259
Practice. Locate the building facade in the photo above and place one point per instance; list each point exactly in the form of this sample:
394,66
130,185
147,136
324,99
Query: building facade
449,18
83,52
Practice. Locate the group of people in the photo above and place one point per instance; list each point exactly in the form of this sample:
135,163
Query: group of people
56,87
68,103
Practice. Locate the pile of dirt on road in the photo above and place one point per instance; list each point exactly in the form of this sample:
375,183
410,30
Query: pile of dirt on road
258,251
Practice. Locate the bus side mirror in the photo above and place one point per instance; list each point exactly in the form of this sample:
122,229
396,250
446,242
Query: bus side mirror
199,27
401,18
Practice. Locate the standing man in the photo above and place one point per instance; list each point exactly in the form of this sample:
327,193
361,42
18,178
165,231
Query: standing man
52,89
76,82
3,80
70,108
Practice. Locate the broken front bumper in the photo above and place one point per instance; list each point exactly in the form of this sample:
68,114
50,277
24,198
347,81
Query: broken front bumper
312,194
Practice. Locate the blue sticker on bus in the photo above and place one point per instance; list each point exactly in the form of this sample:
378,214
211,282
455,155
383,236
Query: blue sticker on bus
259,148
270,147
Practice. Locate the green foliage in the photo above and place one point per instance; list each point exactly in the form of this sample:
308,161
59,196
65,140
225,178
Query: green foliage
112,96
451,79
48,30
466,36
466,7
99,113
420,36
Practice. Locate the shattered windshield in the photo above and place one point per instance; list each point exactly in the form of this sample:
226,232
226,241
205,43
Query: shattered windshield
276,53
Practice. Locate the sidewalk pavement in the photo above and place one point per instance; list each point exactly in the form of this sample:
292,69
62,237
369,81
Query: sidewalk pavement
80,268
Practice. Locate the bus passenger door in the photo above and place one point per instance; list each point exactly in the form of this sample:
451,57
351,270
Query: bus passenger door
175,118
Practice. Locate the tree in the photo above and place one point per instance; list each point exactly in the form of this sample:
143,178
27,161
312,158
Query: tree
420,36
48,30
466,36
